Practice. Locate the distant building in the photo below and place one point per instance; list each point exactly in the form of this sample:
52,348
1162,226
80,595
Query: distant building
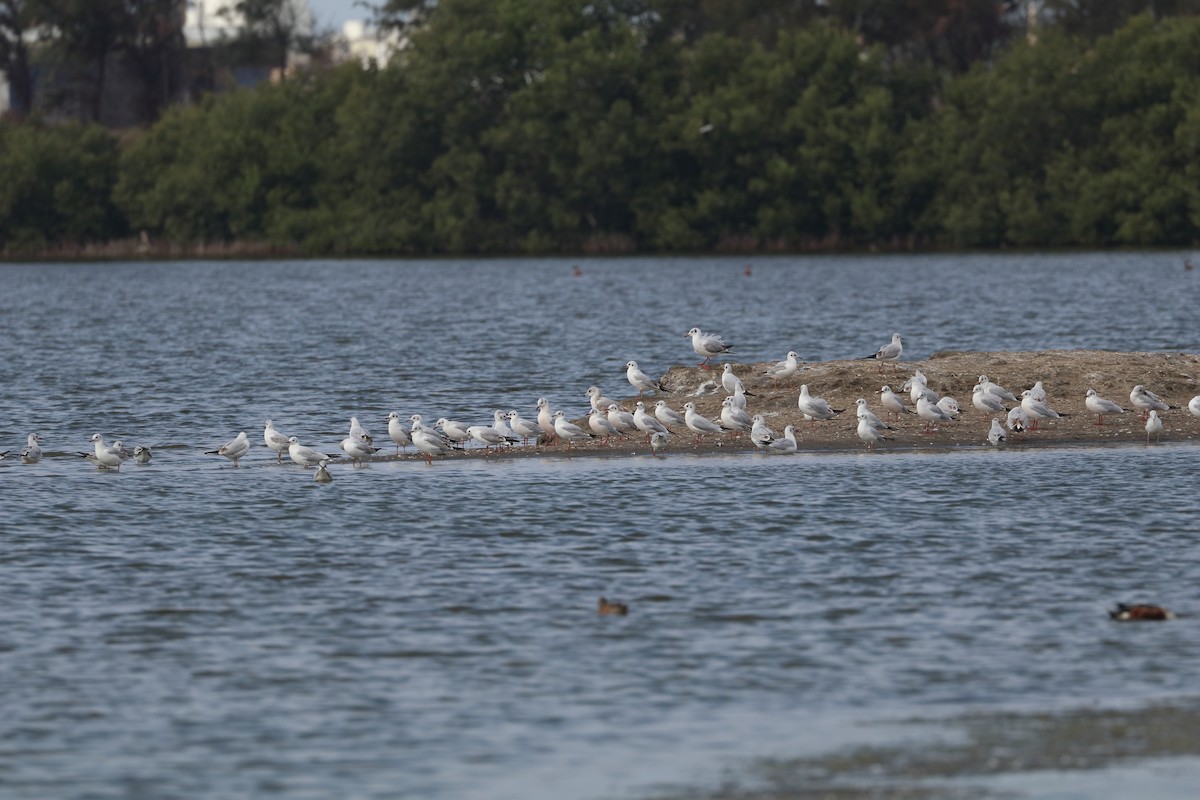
366,44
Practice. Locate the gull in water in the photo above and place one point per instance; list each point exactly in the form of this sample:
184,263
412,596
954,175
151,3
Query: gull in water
889,352
640,380
949,405
141,454
707,345
760,433
1145,400
523,427
815,407
870,417
659,441
1018,420
985,401
782,370
600,426
275,440
621,420
735,419
1154,427
32,452
1037,409
427,440
453,430
893,402
569,432
696,423
322,475
234,449
732,383
489,437
5,453
931,412
306,456
358,447
597,399
996,389
869,434
646,423
668,416
1099,406
997,436
1038,392
105,455
785,444
396,431
1194,406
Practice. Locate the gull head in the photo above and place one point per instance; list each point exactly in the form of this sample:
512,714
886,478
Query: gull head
693,332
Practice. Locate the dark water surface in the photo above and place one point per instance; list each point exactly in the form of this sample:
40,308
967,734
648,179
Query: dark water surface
186,629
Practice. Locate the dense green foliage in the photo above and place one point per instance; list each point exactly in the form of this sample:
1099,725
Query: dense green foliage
569,126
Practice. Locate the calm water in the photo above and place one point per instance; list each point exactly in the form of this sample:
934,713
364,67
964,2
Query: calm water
187,629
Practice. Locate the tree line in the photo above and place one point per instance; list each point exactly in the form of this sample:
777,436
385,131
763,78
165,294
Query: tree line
564,126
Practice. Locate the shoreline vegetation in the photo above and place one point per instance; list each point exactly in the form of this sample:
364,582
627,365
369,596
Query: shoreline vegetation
1066,375
611,133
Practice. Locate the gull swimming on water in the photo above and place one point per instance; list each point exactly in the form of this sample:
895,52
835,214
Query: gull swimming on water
697,423
322,475
640,380
275,440
1145,400
889,352
32,452
707,345
785,444
815,407
996,435
306,456
396,431
234,449
141,454
1154,427
1100,406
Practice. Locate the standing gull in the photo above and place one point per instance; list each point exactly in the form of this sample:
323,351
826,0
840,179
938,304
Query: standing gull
600,426
1018,420
1154,427
658,441
32,452
428,441
1038,392
996,435
1100,406
1037,409
735,419
1145,400
931,412
761,434
234,449
815,407
732,383
399,436
785,444
646,423
893,402
306,456
985,401
489,437
523,427
996,389
1194,406
707,345
569,432
696,423
865,414
275,440
598,400
453,430
622,420
668,416
889,352
782,370
640,380
545,419
869,434
358,447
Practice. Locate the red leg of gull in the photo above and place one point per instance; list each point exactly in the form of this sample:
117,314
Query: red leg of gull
1099,420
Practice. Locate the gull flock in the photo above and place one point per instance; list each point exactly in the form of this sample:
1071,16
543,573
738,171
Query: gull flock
659,422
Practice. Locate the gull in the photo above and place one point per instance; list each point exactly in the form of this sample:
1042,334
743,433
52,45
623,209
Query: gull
598,400
697,423
453,430
893,402
121,450
545,418
917,385
996,435
621,420
865,414
523,427
141,454
234,449
500,424
1099,406
1018,420
735,419
782,370
646,423
322,475
32,452
869,434
668,416
658,441
105,455
760,433
889,352
640,380
1146,400
707,345
488,436
306,456
1038,392
931,412
396,431
6,452
738,398
784,445
357,430
600,426
569,432
1153,427
358,447
996,389
986,401
275,440
1194,406
949,405
1037,409
706,388
732,383
427,440
815,407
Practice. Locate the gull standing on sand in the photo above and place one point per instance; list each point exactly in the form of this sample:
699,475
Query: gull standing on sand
707,345
622,420
1154,427
141,454
453,430
1037,409
234,449
397,433
597,399
545,418
732,383
986,401
698,424
784,445
646,423
1099,406
659,441
523,427
1038,392
931,412
668,416
996,436
889,352
863,413
32,452
996,389
949,405
782,370
358,447
1018,420
428,441
760,433
569,432
640,380
917,385
1145,400
600,426
815,407
306,456
500,423
893,402
869,434
734,419
489,437
1194,406
275,441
